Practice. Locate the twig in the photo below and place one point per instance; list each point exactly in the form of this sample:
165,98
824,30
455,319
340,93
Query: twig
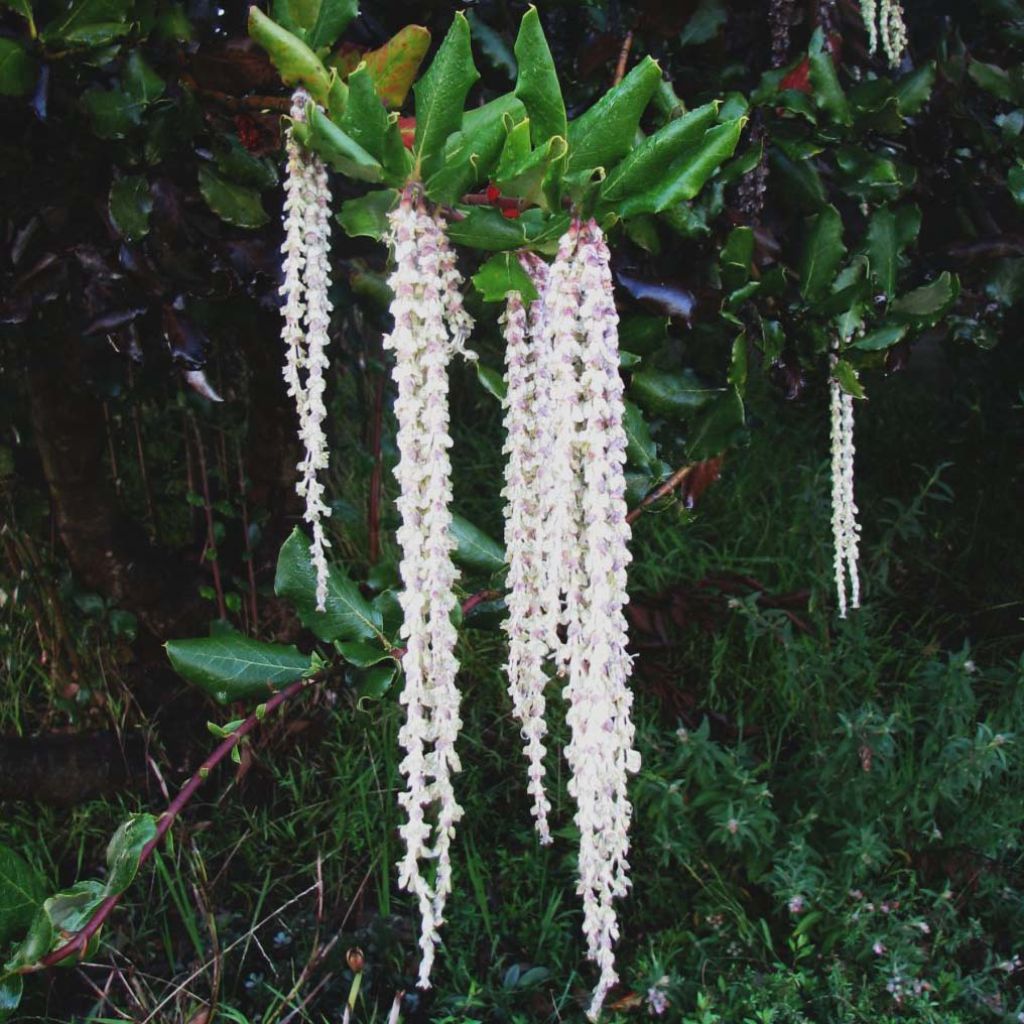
677,479
81,939
111,454
147,488
620,68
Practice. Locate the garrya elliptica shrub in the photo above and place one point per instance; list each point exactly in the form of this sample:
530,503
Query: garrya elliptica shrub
527,197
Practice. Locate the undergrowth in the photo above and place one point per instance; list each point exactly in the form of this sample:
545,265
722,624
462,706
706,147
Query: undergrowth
827,819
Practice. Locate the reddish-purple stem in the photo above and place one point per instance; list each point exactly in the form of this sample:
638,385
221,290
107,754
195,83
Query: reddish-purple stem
81,938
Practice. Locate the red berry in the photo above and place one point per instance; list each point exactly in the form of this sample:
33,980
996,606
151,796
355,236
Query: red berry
493,193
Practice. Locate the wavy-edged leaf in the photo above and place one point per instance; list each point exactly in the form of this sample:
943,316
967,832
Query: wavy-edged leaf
641,448
471,153
296,63
232,667
130,205
394,65
234,204
881,247
21,892
362,655
500,275
367,216
925,305
537,81
605,133
337,147
687,176
347,614
441,95
474,549
17,69
669,393
649,161
823,252
492,381
332,19
124,850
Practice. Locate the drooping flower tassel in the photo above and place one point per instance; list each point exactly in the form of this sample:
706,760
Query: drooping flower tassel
307,314
883,20
527,473
429,326
584,537
845,528
601,753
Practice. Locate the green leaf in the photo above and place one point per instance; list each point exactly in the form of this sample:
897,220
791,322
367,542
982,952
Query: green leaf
823,252
537,81
21,892
800,182
471,153
440,97
738,364
502,274
483,227
235,162
521,175
347,614
925,305
332,19
113,113
848,379
393,66
992,79
667,393
648,162
1015,183
232,667
474,549
24,8
17,69
140,81
367,216
737,256
375,683
296,63
687,175
130,205
913,91
492,381
882,338
125,849
828,93
604,134
365,120
70,910
704,24
338,148
718,426
234,204
641,448
881,248
362,655
80,19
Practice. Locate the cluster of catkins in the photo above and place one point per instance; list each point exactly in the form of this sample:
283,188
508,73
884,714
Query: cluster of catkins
883,20
307,313
567,539
845,528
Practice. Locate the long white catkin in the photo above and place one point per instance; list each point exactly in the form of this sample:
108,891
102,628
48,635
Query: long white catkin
575,581
307,314
845,528
430,325
527,471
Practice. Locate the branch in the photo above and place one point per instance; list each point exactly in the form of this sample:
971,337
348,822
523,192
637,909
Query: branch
677,479
80,940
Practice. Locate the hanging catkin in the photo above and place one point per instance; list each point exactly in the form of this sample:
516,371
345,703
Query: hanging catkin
307,315
430,325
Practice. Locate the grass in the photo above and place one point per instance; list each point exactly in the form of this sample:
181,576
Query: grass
779,716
